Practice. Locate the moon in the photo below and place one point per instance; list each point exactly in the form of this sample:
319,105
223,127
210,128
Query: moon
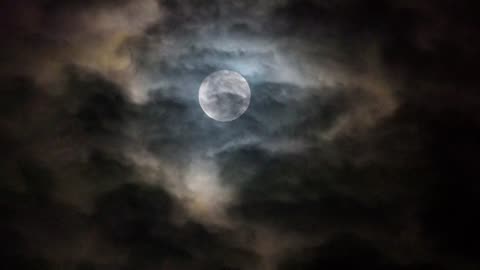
224,95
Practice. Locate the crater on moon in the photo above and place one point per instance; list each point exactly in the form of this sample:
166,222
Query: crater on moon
224,95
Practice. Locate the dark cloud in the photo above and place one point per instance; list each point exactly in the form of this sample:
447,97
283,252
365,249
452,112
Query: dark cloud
358,148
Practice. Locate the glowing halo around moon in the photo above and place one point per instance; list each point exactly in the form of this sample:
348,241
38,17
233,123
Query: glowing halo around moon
224,95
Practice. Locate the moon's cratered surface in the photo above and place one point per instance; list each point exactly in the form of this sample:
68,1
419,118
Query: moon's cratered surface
224,95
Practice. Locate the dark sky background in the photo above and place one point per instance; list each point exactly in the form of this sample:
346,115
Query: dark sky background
359,149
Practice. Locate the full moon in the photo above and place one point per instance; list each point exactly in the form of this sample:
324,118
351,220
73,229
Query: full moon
224,95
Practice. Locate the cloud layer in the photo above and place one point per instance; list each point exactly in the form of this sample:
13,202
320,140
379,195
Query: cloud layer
358,148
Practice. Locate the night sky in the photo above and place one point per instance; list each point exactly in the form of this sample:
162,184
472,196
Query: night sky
359,149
